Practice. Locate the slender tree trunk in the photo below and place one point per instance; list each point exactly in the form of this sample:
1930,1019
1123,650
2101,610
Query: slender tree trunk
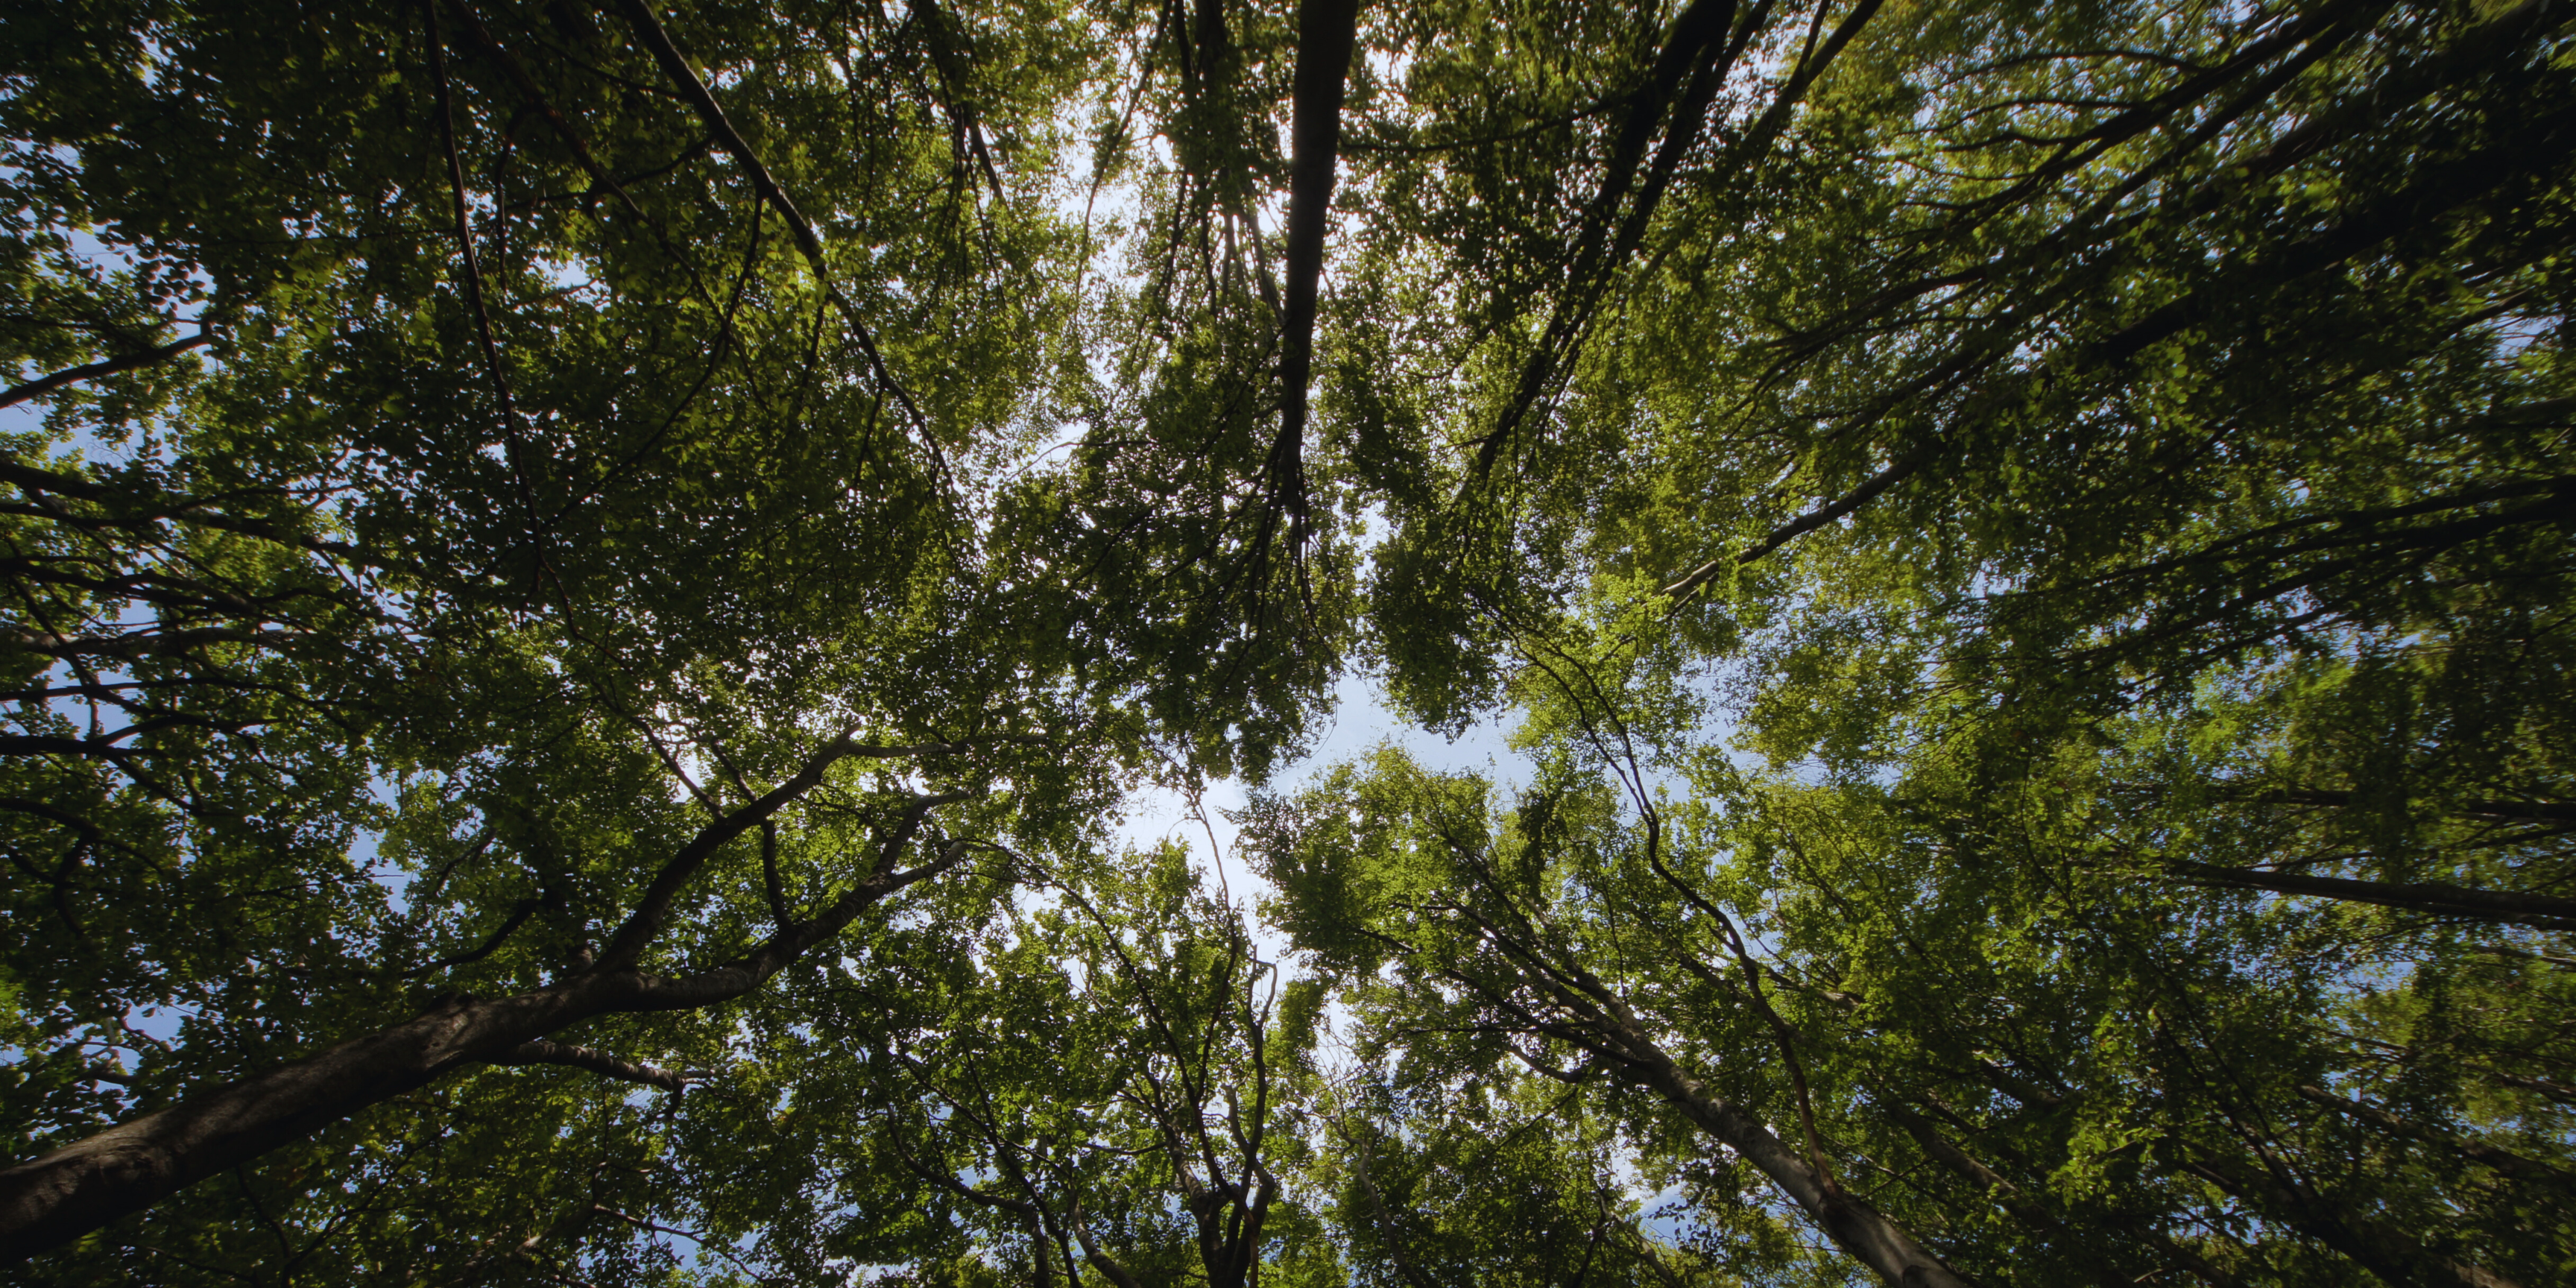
2547,912
1886,1247
1326,30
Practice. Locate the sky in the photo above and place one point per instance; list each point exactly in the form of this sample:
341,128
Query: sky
1360,723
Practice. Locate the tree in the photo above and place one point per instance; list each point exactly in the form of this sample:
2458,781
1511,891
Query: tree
2028,547
1115,1080
1415,881
562,597
2105,462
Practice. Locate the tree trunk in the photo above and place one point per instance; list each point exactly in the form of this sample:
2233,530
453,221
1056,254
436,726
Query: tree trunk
1854,1226
1326,30
52,1200
2547,912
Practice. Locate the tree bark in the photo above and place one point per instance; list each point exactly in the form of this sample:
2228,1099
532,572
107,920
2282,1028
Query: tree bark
1887,1248
52,1200
2547,912
1326,30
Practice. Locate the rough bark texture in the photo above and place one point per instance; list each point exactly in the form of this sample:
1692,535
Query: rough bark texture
51,1200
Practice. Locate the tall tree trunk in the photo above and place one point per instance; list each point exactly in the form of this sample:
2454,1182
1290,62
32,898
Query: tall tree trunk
1326,31
52,1200
1868,1234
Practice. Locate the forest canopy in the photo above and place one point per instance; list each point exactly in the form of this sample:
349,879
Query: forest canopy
589,583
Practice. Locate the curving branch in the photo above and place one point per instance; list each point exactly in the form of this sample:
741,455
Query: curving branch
1602,1024
675,66
519,915
654,906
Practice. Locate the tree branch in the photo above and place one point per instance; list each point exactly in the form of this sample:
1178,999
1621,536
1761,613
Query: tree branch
693,91
43,385
2502,1160
599,1062
473,267
2547,912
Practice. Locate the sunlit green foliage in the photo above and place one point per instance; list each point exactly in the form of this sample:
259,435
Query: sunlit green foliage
2025,547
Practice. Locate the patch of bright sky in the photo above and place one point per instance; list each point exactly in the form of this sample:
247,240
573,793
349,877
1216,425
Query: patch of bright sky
1359,725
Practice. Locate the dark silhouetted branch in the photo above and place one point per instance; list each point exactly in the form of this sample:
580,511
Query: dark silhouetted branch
42,385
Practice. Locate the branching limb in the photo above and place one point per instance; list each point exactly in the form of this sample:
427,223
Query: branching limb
598,1062
519,915
693,91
